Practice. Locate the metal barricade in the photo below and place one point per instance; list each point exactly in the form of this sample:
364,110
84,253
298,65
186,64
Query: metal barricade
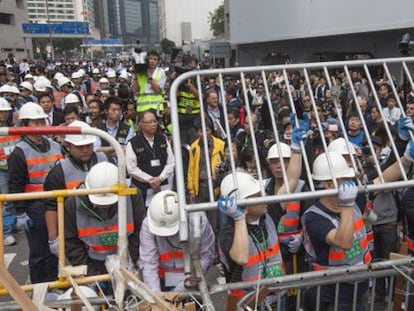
291,98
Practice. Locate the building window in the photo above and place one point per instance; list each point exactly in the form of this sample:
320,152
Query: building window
6,19
20,4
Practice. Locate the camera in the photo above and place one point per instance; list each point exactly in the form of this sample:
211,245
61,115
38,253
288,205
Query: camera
404,44
140,59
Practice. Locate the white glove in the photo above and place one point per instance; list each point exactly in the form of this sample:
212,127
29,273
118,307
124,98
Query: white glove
295,241
54,247
22,222
347,193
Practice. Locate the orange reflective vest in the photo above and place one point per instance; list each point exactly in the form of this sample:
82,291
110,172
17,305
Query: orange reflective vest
7,144
99,235
338,257
39,163
59,99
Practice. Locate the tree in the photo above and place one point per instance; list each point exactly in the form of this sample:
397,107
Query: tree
216,20
167,45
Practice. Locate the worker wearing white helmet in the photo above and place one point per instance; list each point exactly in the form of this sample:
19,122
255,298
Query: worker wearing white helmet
161,256
26,93
29,164
29,78
334,228
253,230
7,144
91,222
67,87
69,173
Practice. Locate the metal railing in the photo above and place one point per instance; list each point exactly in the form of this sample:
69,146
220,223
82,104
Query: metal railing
292,99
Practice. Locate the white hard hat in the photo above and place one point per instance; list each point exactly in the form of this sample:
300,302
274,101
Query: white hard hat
28,76
273,152
31,111
95,70
58,75
5,88
245,187
103,80
80,140
71,98
4,105
102,175
27,85
123,75
76,75
63,81
339,146
82,72
40,85
163,214
85,290
111,74
13,89
321,169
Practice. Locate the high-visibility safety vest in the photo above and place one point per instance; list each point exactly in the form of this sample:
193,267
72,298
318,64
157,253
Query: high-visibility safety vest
338,257
289,222
146,101
39,163
100,236
188,103
59,100
170,259
7,144
265,261
75,176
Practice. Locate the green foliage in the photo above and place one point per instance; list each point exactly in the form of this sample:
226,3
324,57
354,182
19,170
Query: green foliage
167,45
216,20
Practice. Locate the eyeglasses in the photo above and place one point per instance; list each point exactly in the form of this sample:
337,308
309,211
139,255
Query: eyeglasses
150,122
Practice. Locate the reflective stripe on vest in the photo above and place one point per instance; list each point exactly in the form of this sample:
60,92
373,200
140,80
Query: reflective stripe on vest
39,164
100,238
289,222
58,99
358,254
168,262
410,243
73,175
7,144
269,260
188,103
146,101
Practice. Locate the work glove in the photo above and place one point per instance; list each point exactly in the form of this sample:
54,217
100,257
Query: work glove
23,222
347,193
295,241
299,133
405,124
54,247
409,151
227,205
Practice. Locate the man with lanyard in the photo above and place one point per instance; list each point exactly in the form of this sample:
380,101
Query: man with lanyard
149,85
334,231
69,173
161,256
250,247
149,158
91,221
113,125
29,163
7,144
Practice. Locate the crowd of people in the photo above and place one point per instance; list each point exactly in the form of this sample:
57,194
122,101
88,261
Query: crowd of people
131,103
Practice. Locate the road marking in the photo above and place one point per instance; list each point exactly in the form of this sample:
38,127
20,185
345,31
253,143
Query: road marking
8,258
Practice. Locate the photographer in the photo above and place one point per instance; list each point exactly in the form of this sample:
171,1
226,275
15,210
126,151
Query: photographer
149,82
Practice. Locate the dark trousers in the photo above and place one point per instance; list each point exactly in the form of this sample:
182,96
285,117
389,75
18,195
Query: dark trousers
43,265
386,240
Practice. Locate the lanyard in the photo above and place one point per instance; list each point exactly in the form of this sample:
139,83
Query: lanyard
93,213
261,247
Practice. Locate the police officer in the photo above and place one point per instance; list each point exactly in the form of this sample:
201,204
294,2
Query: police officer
149,158
29,163
91,222
161,256
69,173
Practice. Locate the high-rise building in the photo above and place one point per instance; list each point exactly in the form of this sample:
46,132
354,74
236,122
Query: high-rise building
132,20
58,10
184,21
13,14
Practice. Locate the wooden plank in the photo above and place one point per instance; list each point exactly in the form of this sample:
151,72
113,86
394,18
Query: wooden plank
15,291
399,281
